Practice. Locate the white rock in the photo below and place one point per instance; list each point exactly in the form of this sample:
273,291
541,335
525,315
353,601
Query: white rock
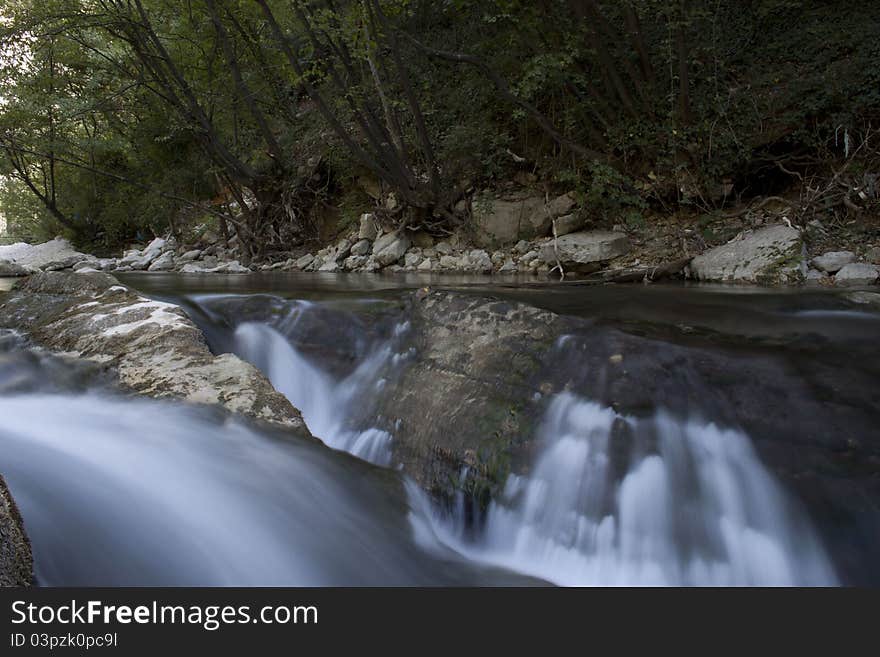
479,261
521,247
426,265
192,268
412,259
857,273
585,251
450,262
833,261
39,255
189,256
361,247
88,262
354,262
304,261
508,267
329,266
164,262
156,246
388,249
770,255
233,267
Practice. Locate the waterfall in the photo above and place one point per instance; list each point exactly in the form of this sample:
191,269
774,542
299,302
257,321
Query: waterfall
125,492
324,403
693,507
610,500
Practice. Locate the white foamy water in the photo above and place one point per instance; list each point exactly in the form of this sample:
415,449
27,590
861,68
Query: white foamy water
324,402
695,507
123,492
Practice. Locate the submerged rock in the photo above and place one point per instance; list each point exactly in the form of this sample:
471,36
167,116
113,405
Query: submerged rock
16,560
152,347
770,256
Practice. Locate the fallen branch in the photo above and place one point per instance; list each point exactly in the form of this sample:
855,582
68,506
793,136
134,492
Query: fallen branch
635,275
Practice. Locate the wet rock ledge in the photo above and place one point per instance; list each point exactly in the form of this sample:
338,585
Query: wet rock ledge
151,347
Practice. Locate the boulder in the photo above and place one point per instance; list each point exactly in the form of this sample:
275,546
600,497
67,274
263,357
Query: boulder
341,251
479,261
361,247
151,347
233,267
369,227
570,223
509,267
63,263
426,265
412,259
155,247
329,266
193,268
872,255
503,221
8,268
89,262
450,262
468,392
443,248
832,261
189,256
390,248
355,262
586,251
38,256
164,262
304,261
857,273
16,560
770,256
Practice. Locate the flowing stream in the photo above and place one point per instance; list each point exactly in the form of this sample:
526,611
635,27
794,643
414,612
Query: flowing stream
117,491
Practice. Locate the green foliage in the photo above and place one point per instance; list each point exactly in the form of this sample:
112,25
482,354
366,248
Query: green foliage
117,142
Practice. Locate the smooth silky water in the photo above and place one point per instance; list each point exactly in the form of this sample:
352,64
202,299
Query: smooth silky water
116,490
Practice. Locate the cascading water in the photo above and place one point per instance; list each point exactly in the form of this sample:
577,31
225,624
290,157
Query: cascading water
324,402
695,507
611,500
120,491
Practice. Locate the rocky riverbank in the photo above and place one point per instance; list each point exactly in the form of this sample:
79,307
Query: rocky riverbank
515,236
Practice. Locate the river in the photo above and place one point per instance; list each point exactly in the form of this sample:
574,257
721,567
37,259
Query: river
754,461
